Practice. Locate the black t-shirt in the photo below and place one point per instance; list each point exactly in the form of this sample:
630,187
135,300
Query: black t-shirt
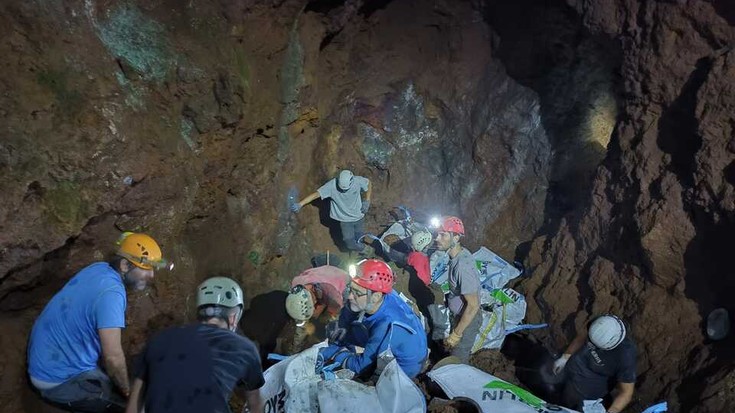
592,370
195,369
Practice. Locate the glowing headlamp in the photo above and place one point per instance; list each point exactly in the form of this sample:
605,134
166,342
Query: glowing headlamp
435,222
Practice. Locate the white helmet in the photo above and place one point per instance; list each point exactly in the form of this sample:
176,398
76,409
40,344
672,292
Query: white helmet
420,240
299,304
607,332
345,180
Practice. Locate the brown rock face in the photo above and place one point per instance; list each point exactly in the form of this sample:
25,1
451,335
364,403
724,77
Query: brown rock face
593,138
653,242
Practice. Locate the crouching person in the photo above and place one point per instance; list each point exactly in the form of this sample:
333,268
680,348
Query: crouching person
378,320
81,328
196,368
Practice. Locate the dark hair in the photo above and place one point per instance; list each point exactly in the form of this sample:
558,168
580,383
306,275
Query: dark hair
115,262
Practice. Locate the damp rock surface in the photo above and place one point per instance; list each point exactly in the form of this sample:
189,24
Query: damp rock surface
592,139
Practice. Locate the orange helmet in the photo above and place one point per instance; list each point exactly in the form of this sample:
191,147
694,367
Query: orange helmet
141,250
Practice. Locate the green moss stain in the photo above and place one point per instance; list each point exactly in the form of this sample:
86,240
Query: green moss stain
69,100
291,81
243,71
140,41
254,258
187,132
135,95
65,205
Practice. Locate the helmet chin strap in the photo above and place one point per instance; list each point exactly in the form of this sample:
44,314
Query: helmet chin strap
124,275
233,327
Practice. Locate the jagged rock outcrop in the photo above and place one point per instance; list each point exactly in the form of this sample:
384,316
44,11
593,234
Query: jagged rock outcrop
652,243
594,138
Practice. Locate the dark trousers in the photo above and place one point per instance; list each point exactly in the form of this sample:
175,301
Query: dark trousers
351,231
91,391
463,349
571,397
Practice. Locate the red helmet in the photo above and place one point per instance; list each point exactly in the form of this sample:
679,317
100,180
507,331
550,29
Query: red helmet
375,275
452,224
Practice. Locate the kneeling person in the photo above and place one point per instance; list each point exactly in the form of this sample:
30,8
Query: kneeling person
197,367
314,291
378,320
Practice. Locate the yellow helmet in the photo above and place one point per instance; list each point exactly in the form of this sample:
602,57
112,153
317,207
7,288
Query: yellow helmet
141,250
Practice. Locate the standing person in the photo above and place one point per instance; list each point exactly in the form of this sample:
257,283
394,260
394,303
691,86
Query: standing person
196,368
376,319
81,327
593,358
346,205
464,289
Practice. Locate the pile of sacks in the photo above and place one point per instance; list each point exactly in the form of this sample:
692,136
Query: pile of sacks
503,309
293,385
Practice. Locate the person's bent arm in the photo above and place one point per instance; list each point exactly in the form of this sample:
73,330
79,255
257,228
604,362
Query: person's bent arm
114,358
252,399
471,309
576,344
135,402
369,191
624,397
308,199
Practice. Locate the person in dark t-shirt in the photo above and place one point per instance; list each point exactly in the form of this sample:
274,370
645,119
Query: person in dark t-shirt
195,368
595,359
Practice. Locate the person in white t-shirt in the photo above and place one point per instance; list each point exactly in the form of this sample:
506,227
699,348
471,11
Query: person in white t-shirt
348,207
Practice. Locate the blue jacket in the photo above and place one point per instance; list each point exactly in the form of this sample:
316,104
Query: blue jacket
394,325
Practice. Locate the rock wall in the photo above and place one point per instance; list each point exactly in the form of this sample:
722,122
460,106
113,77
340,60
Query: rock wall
195,121
652,241
593,137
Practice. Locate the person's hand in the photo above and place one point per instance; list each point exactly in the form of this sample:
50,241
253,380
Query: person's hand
319,363
295,207
365,206
452,340
334,332
560,363
341,356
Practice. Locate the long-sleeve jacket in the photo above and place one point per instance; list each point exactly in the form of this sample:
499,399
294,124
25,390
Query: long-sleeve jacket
393,326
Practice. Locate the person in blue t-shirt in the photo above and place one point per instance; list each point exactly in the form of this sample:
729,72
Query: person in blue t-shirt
346,205
195,368
377,319
81,328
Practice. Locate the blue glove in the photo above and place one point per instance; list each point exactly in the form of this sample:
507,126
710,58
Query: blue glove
319,363
295,207
341,356
365,206
327,353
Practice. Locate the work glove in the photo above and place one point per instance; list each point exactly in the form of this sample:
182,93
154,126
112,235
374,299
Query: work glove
452,340
341,356
328,352
365,206
560,363
334,332
319,363
295,207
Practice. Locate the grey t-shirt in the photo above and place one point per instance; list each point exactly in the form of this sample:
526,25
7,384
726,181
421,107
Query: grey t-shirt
345,206
464,278
594,371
